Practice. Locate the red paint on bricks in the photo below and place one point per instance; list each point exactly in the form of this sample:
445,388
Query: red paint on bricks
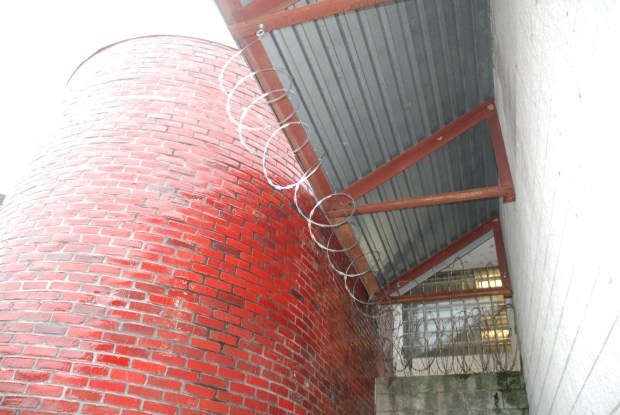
148,268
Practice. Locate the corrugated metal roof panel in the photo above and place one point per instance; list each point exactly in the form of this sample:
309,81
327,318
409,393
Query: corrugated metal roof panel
376,81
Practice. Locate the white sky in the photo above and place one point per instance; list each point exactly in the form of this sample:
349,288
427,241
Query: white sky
42,42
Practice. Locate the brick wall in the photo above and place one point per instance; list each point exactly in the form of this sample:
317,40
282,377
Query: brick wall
556,80
147,268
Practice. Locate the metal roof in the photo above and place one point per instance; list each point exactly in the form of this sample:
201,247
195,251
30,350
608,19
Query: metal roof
388,87
374,82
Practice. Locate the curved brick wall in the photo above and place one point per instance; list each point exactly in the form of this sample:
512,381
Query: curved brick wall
146,267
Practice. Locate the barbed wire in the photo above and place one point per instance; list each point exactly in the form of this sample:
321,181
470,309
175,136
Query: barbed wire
477,340
322,231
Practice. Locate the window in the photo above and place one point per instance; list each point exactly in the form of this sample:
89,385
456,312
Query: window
456,336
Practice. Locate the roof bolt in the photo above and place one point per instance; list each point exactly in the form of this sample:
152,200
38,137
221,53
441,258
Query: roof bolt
491,107
440,138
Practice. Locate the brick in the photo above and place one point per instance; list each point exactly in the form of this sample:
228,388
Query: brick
164,383
86,333
215,407
229,397
173,336
52,365
243,389
160,408
20,402
84,395
164,300
60,406
201,366
120,400
180,399
17,362
219,359
146,308
67,379
151,267
132,351
6,374
88,409
184,295
154,344
128,376
223,338
32,376
176,315
12,387
113,360
187,351
187,275
168,359
148,367
106,385
44,390
138,328
119,338
8,349
60,318
177,243
182,374
10,315
257,406
93,370
76,355
232,374
200,391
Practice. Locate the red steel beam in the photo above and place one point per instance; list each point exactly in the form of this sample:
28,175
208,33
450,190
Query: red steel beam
502,259
261,7
501,159
286,18
415,202
494,225
422,149
449,295
440,256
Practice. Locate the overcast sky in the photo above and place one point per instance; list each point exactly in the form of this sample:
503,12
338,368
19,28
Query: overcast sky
42,42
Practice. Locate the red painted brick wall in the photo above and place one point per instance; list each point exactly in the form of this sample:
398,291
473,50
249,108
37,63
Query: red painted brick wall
147,268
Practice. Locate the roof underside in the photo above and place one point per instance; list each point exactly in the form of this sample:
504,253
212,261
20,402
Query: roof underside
376,81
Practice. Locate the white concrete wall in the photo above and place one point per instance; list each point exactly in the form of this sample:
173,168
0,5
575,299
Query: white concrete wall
557,81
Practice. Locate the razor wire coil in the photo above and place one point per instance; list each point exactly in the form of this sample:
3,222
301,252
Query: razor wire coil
477,340
321,230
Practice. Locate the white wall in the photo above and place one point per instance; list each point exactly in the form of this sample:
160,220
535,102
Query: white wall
557,81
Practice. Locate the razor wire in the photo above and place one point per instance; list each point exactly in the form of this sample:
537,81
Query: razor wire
322,231
478,340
